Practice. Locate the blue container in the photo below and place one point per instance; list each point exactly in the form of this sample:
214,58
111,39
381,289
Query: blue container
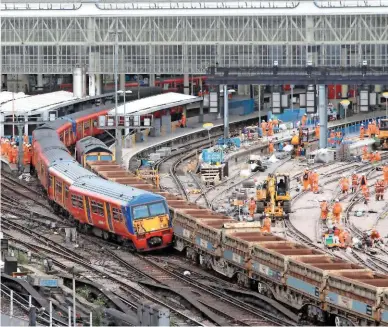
241,107
235,140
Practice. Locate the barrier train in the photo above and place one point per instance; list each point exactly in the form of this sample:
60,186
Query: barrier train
323,289
109,210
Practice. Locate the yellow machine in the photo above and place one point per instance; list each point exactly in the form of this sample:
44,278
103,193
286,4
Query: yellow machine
273,196
382,137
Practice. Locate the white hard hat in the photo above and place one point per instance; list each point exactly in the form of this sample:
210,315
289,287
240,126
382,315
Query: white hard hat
315,170
362,124
336,200
343,175
354,173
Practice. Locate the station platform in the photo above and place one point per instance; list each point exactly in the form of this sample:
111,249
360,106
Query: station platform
195,127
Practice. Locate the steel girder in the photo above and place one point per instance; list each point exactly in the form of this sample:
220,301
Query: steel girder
190,44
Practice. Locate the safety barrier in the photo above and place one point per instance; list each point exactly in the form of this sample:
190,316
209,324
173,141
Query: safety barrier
241,107
289,115
352,128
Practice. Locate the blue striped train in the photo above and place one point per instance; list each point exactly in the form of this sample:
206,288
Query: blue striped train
107,209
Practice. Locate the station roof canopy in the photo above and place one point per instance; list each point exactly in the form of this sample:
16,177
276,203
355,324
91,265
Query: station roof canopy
8,96
155,103
36,104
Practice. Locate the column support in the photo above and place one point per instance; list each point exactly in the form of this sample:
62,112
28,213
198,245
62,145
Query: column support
322,116
200,118
151,80
122,82
26,124
77,82
92,84
39,82
186,84
226,112
1,125
98,79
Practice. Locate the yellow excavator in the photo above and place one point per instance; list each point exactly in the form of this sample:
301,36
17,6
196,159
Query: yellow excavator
273,196
382,137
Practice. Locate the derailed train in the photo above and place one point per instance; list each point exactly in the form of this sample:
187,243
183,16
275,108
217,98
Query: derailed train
107,209
324,288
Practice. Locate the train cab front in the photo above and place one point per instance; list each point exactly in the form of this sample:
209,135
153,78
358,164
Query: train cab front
151,226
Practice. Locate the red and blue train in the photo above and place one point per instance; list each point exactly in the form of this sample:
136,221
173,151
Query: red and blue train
105,208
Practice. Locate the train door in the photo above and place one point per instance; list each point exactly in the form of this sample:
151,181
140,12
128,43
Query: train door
79,134
66,197
87,207
50,185
109,217
58,191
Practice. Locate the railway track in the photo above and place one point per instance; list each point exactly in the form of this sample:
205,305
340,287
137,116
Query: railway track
64,258
202,297
9,184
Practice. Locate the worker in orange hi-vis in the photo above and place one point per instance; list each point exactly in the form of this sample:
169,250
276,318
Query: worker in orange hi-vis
344,239
365,192
354,182
385,174
344,184
183,121
332,138
362,132
375,236
13,155
314,180
3,146
372,128
7,148
270,128
306,180
304,120
252,207
363,180
29,153
270,148
266,225
337,210
377,156
317,131
275,123
365,154
365,150
324,209
381,190
264,127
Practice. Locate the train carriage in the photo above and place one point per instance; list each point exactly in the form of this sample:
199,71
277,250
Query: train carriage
90,149
63,175
123,212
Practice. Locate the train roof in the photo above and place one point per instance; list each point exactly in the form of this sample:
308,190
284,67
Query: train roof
59,122
91,144
70,171
112,190
85,113
56,124
58,155
43,132
49,143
